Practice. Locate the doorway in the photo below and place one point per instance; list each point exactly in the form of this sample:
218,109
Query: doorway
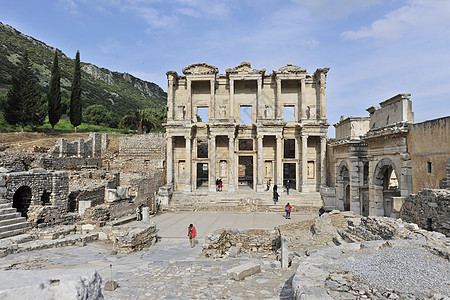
22,200
245,172
289,173
202,175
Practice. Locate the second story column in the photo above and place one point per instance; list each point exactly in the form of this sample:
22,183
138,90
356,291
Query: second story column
231,104
304,163
212,163
212,107
259,104
188,184
189,98
303,100
323,97
232,165
170,94
298,147
277,107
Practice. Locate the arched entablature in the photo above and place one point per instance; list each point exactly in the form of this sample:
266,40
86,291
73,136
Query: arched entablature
385,187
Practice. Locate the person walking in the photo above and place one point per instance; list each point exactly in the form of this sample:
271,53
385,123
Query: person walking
268,185
275,194
192,233
217,184
220,184
288,211
288,185
138,213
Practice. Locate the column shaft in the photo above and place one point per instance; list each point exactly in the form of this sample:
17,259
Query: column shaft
188,185
212,107
260,186
277,107
259,106
323,161
279,160
169,160
170,108
323,98
303,99
232,165
212,164
231,108
189,104
304,163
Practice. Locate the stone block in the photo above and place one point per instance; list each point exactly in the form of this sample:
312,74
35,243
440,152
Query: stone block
110,285
242,271
111,195
83,205
412,227
123,192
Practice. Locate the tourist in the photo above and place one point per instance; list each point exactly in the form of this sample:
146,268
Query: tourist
287,187
138,213
268,184
192,233
288,211
217,184
220,184
275,194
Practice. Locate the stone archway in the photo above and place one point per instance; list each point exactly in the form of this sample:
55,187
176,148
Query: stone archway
387,182
22,200
343,186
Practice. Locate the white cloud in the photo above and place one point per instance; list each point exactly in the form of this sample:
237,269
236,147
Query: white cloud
68,5
336,9
416,17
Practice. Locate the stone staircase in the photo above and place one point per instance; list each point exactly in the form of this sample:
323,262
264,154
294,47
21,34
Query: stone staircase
11,223
311,201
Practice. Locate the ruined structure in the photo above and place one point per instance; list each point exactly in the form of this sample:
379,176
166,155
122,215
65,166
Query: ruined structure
377,161
246,127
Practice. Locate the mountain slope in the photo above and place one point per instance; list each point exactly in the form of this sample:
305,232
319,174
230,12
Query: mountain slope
118,92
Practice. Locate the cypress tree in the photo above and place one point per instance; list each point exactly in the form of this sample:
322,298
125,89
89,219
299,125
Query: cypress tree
24,104
54,94
75,113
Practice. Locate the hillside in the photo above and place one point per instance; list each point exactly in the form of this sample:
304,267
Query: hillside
118,92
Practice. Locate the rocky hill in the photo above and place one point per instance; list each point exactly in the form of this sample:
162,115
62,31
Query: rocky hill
118,92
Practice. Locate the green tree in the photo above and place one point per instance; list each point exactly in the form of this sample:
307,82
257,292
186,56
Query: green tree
75,113
135,120
98,115
24,104
54,94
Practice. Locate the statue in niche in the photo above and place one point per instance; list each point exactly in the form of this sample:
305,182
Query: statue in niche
181,170
223,111
268,169
181,113
310,169
223,168
268,112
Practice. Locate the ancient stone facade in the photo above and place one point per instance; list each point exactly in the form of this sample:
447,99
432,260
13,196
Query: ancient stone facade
246,127
94,146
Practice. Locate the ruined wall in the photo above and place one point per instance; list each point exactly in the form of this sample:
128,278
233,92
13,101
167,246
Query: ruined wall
60,163
430,209
151,146
397,109
428,145
94,146
17,161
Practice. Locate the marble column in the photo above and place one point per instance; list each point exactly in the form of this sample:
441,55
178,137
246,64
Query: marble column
170,108
305,163
188,172
231,165
260,179
277,107
298,162
212,106
259,105
323,161
323,98
231,108
279,161
303,100
169,160
189,103
212,163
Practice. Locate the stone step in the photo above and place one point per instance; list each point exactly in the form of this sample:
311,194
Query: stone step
12,221
16,226
4,211
14,232
3,201
10,216
5,205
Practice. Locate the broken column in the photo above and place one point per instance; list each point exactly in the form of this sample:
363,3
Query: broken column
284,253
146,214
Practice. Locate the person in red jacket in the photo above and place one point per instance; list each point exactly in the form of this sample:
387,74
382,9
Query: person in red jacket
288,211
192,233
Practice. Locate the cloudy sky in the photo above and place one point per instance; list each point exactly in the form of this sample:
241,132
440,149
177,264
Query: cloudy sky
375,49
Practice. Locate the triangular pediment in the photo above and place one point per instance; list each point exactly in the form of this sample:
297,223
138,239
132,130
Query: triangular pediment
292,69
200,69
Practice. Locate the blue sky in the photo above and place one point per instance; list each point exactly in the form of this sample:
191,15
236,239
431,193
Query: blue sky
375,49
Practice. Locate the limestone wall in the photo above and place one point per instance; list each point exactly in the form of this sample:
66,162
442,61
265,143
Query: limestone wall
60,163
151,146
352,128
428,145
94,146
430,209
397,109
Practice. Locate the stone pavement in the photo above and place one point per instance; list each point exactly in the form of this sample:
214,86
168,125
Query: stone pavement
171,225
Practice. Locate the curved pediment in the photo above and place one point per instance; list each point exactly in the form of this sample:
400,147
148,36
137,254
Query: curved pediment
244,68
200,69
292,69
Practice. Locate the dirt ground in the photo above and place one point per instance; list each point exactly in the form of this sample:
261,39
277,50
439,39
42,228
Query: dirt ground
21,141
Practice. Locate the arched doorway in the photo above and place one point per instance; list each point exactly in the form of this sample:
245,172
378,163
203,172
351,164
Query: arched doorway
386,177
22,199
343,185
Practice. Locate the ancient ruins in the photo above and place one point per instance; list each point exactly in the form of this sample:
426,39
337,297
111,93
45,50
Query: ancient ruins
383,182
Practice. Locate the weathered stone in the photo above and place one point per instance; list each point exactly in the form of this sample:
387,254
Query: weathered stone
242,271
110,285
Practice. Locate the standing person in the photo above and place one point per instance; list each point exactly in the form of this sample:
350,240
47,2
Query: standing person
217,184
275,194
288,185
268,184
220,184
192,233
288,211
138,213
